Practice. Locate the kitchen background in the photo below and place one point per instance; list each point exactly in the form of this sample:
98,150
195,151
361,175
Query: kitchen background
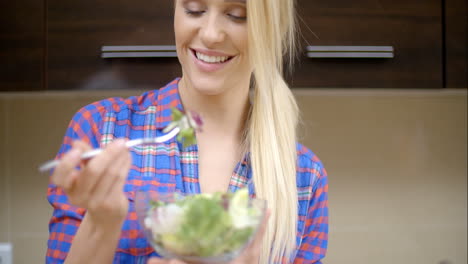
386,111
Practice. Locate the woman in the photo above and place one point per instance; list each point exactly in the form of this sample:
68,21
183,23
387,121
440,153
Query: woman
226,48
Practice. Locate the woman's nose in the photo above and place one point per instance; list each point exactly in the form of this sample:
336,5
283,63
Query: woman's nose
212,31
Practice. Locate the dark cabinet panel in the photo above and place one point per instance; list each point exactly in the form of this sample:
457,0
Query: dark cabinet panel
77,30
21,45
413,28
456,43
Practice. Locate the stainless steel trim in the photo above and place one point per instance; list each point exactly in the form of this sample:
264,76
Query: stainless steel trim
169,51
350,52
138,48
351,48
110,55
139,51
350,55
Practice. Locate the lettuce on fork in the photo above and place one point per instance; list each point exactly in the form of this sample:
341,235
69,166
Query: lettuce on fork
188,123
203,225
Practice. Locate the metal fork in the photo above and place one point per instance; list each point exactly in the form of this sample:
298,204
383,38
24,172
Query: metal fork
129,144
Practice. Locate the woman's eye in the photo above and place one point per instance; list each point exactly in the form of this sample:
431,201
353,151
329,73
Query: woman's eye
237,13
237,18
194,13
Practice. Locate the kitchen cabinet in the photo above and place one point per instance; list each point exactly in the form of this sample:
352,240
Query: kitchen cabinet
22,45
78,30
456,44
412,28
57,45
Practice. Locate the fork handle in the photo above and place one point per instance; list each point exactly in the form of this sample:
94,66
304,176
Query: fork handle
53,163
131,143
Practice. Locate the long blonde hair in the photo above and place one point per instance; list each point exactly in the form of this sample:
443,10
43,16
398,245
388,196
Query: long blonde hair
271,131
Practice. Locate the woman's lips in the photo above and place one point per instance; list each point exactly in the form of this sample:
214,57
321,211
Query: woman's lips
210,61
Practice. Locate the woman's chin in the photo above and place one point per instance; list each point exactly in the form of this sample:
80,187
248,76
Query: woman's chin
209,91
209,86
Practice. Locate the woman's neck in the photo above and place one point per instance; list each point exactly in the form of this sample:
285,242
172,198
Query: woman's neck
223,114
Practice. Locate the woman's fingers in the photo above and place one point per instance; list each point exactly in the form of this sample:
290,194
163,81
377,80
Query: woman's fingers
99,182
81,145
154,261
96,170
67,165
125,163
164,261
111,183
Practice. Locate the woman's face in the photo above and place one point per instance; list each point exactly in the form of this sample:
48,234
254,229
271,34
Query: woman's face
211,40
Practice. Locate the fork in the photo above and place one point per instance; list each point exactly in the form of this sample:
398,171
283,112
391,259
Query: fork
129,144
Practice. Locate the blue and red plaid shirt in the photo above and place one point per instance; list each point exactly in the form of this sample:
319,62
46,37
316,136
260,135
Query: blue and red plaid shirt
169,167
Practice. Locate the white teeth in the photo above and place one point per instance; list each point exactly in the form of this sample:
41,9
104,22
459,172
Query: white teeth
211,59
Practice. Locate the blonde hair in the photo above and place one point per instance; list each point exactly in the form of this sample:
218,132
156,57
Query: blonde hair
271,131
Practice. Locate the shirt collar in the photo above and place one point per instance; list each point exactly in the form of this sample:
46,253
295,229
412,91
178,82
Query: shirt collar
167,98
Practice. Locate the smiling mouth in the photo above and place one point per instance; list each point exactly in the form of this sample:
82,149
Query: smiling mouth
211,59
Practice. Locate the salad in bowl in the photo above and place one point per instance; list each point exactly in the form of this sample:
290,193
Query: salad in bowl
201,228
198,228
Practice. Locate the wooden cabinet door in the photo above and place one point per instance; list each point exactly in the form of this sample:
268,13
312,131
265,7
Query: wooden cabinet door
77,30
413,28
21,45
456,44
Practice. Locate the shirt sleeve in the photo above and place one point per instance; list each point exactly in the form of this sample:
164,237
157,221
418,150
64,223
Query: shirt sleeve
315,238
66,218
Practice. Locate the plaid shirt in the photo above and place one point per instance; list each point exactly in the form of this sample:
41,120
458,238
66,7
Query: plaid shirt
168,167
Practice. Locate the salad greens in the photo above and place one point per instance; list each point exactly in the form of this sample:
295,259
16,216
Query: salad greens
188,123
203,225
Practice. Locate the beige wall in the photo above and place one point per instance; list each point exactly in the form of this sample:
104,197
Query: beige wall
397,164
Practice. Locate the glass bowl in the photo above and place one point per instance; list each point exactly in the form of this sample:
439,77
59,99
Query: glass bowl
202,228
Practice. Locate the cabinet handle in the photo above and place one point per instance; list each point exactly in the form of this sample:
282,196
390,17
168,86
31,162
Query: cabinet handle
135,51
350,52
169,51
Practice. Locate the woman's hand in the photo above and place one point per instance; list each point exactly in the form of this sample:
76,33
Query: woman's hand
98,185
251,254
